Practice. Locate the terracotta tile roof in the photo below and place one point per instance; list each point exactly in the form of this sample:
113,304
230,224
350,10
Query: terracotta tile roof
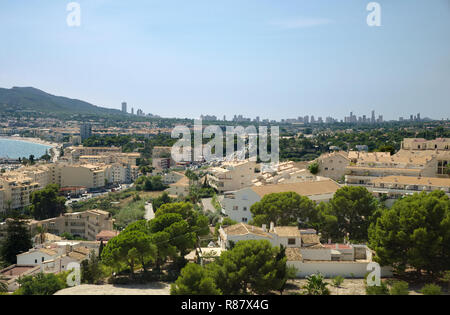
310,239
293,254
77,256
340,246
106,235
243,229
82,250
310,188
48,251
411,180
287,231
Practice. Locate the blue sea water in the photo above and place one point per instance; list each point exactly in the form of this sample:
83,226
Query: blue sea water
17,149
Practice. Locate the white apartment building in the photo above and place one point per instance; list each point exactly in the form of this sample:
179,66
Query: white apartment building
394,187
236,205
234,175
286,172
404,163
15,190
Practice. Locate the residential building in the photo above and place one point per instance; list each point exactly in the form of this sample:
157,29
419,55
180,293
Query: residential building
233,175
85,131
369,166
87,224
236,205
180,188
11,274
423,144
304,250
16,190
332,165
394,187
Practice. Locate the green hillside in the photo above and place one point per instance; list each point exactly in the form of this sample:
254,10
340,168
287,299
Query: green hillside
28,100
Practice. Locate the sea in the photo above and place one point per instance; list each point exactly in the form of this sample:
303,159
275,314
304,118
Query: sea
15,149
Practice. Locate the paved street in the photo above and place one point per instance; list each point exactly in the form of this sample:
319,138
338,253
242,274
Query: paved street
149,214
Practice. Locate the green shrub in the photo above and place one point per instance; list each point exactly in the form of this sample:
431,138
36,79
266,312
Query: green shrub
382,289
399,288
431,289
337,281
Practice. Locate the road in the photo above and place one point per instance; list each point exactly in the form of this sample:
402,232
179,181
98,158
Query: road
157,288
149,214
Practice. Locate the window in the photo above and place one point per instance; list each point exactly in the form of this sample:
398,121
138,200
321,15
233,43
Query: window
35,261
235,208
244,220
42,259
291,241
245,208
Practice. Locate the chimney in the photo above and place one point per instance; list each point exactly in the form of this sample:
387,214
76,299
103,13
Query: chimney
272,227
264,227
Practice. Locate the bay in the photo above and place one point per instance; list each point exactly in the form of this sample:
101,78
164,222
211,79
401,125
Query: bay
14,149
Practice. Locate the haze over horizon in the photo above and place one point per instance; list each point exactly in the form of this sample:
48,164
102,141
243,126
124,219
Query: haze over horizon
273,59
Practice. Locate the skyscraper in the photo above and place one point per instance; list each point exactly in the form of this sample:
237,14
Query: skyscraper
124,107
85,131
372,120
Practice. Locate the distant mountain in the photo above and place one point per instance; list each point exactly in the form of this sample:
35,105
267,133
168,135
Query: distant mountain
30,100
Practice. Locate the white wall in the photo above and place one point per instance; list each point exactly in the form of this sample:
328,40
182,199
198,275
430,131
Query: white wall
316,254
243,198
333,269
33,258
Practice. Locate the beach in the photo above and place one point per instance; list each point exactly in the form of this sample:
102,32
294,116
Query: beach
53,147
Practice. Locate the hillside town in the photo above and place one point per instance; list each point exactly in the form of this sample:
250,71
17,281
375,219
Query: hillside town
232,196
224,156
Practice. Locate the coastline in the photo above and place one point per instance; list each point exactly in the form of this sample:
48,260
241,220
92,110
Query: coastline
53,150
32,140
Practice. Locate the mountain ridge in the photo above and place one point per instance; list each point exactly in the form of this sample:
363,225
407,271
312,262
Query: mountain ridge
29,99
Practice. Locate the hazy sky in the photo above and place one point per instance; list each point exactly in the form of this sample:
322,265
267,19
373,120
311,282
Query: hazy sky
269,58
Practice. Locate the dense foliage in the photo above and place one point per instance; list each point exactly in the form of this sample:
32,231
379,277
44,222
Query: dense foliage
415,233
46,203
18,240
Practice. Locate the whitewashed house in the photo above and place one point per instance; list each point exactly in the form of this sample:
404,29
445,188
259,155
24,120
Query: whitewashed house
305,252
236,205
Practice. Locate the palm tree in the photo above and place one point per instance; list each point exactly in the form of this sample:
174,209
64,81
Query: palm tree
316,285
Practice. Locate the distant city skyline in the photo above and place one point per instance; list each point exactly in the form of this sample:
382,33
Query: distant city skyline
266,58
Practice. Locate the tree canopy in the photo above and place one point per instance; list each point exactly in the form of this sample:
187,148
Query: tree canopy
415,232
250,265
194,280
286,208
131,247
46,203
18,240
354,208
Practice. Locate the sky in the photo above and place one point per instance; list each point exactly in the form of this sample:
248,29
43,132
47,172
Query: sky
269,58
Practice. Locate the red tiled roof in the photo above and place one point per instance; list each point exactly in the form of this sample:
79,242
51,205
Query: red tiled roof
340,246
